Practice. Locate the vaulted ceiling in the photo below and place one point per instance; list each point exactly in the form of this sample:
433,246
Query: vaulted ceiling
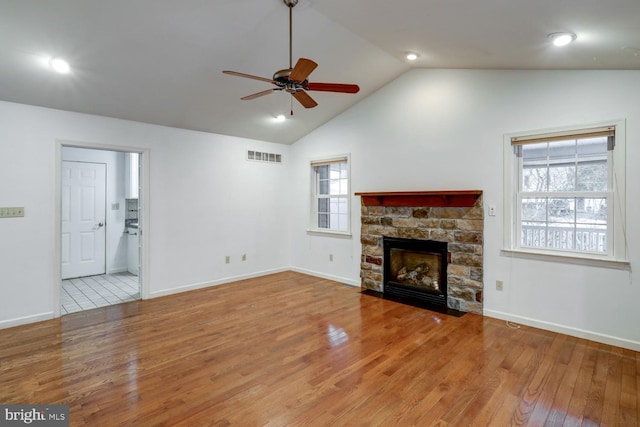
161,61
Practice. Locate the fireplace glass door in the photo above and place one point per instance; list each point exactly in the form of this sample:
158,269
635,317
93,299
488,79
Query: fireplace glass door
416,269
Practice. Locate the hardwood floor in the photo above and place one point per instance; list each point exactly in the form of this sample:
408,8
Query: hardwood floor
290,349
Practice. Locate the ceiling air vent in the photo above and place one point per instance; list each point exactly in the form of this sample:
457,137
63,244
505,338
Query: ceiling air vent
259,156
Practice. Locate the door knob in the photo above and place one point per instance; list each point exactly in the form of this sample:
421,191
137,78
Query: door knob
100,224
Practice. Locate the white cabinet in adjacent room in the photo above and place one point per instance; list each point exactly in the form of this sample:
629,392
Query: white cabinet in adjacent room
133,250
131,172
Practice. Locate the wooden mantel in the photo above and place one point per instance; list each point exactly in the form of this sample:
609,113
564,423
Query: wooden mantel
453,198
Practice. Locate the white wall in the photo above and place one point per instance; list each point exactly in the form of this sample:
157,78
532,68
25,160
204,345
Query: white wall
206,202
443,129
116,240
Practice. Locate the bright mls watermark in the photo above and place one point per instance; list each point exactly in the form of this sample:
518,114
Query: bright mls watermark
36,415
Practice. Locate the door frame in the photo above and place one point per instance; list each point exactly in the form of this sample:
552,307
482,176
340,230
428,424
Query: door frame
143,220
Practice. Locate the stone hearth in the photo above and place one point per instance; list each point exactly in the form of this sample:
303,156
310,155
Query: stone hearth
455,217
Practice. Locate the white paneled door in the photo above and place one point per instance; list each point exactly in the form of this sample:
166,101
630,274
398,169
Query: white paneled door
83,219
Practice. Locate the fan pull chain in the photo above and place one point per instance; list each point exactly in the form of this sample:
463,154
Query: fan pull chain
291,102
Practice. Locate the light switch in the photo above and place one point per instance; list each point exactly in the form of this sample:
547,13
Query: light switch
15,212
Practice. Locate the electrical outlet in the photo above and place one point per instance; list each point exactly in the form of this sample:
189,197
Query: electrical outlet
331,257
499,285
492,210
16,212
244,257
227,259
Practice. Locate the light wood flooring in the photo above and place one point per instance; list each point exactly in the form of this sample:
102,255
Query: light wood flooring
292,350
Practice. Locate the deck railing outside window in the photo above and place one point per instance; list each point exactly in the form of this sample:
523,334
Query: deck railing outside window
567,238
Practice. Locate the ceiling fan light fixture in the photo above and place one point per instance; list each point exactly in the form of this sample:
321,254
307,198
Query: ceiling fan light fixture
280,118
59,65
412,56
562,39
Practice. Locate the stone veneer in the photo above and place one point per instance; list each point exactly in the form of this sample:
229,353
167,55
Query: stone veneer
461,227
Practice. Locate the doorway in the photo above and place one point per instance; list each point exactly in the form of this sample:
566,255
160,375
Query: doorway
99,228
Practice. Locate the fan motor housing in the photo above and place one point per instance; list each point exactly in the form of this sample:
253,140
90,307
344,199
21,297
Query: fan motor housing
281,78
290,3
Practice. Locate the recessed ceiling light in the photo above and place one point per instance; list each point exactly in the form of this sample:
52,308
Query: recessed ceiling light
412,56
59,65
562,39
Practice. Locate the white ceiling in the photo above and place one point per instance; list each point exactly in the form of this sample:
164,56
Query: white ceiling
161,61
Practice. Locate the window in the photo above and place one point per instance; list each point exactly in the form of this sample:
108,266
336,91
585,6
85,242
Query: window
567,192
330,195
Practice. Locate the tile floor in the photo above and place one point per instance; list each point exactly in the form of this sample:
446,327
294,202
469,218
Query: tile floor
85,293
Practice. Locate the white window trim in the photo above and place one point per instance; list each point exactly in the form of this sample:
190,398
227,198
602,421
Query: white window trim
616,259
313,224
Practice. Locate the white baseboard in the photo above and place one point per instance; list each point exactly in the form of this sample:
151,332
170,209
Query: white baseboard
567,330
202,285
118,270
9,323
327,276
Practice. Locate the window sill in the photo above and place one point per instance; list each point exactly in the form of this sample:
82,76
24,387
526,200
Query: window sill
563,257
332,233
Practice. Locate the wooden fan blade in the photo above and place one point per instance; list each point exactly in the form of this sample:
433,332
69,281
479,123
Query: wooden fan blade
303,68
334,87
303,98
259,94
248,76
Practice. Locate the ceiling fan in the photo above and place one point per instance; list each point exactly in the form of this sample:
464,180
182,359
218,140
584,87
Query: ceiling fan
294,79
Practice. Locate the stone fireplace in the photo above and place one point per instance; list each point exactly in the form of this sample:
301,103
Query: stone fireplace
453,220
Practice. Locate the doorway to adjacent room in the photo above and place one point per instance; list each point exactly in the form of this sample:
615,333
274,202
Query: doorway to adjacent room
100,228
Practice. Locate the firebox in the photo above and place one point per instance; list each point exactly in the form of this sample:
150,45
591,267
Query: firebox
415,270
